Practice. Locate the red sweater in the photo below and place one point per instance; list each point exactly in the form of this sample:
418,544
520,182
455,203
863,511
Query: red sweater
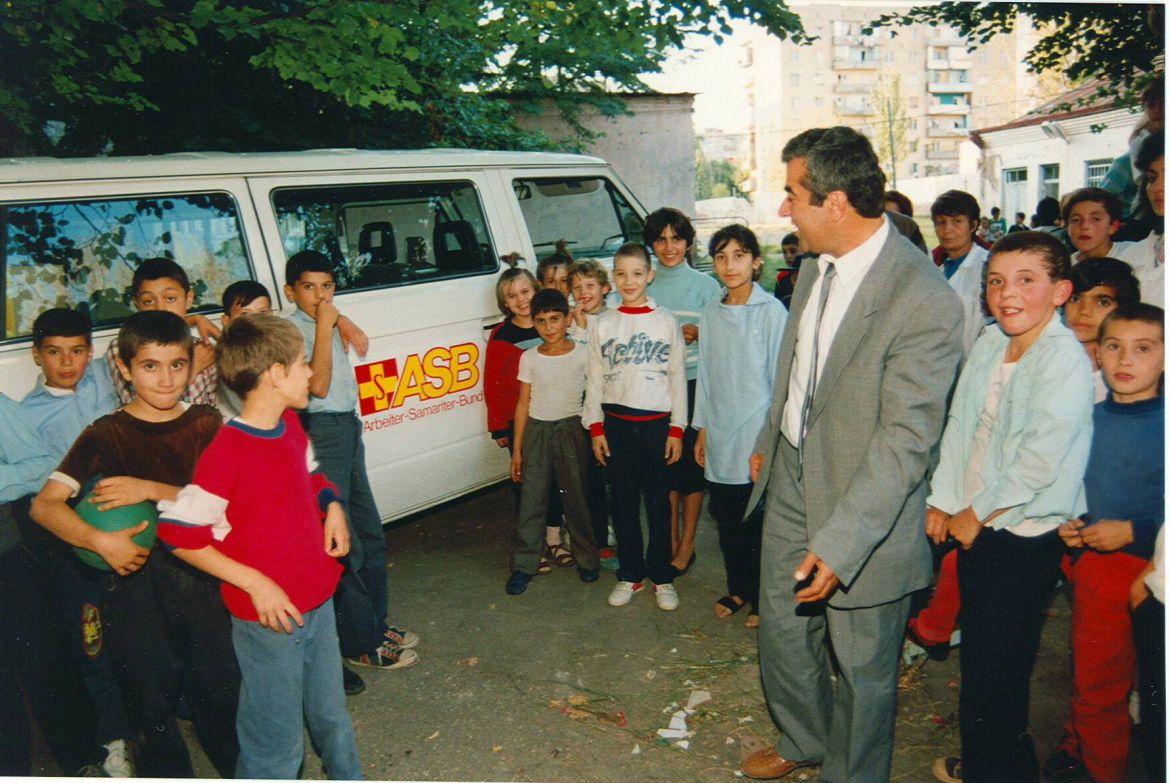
501,390
259,497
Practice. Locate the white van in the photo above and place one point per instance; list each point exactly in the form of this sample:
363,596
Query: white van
420,236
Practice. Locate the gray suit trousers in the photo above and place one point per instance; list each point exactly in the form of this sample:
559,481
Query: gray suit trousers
849,729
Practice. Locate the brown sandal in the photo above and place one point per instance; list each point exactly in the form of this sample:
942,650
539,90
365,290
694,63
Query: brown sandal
545,566
561,556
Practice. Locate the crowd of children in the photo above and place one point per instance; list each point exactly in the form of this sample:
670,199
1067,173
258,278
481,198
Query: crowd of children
621,394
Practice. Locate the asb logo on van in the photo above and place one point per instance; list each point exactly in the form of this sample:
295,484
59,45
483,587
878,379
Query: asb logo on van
423,377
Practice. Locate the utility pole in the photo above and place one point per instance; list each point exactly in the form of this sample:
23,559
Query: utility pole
893,151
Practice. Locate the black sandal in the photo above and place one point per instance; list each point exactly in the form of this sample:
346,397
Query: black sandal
728,603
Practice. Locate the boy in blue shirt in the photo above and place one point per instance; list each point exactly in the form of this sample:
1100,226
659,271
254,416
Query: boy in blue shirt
361,602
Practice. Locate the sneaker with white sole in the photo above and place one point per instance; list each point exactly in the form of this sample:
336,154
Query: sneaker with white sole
119,761
388,656
948,770
400,637
623,592
666,597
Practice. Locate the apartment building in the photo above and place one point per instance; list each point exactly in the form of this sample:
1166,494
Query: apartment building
945,91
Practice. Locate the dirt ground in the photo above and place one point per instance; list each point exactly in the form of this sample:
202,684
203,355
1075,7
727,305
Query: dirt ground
555,685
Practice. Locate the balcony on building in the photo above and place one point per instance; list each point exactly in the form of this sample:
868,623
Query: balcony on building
855,88
947,132
950,154
948,109
963,87
853,107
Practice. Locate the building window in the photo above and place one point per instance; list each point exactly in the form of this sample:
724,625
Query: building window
1095,171
818,78
1015,175
794,54
794,104
794,79
819,102
913,102
1050,180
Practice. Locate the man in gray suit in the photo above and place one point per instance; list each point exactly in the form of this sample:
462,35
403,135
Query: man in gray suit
871,350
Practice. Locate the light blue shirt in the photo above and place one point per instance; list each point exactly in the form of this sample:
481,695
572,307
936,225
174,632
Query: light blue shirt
739,347
685,291
24,460
1040,440
343,391
59,416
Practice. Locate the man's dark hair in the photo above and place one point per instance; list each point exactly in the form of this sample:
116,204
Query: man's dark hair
1021,215
841,159
1118,275
1152,148
1109,201
243,293
659,219
61,322
905,206
790,238
1142,312
1047,211
995,212
1053,254
306,261
157,269
549,300
956,202
152,326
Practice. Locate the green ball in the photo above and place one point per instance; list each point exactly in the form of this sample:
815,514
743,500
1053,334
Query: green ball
117,519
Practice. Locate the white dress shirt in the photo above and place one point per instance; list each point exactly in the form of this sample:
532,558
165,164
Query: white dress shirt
851,269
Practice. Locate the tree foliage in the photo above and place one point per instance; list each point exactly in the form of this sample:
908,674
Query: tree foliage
162,75
1121,43
889,130
717,178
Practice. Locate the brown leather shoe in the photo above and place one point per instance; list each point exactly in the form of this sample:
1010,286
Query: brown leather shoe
767,764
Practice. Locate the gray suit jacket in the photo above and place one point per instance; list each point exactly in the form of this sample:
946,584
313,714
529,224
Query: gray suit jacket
877,413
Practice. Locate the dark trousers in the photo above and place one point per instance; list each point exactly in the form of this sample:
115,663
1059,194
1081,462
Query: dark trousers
556,509
1149,633
596,495
555,453
739,538
37,675
1005,584
167,628
362,598
637,474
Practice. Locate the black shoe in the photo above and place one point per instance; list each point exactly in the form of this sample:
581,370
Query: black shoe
682,571
588,574
936,652
517,582
353,683
1063,765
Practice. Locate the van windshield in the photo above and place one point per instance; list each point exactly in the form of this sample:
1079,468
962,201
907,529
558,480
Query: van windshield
588,213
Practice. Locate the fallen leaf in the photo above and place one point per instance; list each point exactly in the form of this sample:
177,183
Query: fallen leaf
953,685
577,699
497,748
472,662
434,736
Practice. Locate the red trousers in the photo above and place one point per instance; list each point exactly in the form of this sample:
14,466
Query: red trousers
937,621
1103,661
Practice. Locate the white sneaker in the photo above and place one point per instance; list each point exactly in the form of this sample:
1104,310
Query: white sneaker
623,592
666,597
119,763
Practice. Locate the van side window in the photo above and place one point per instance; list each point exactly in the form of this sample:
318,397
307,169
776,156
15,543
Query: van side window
389,234
587,212
83,253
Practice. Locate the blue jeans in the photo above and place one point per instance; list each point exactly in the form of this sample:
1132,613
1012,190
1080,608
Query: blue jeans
361,600
289,680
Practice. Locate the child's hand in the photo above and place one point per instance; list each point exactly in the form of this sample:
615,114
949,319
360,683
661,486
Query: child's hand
690,333
118,491
208,331
673,449
516,466
755,465
1070,533
336,531
327,313
203,357
701,449
965,527
352,335
600,449
502,442
118,549
936,525
579,316
272,605
1108,535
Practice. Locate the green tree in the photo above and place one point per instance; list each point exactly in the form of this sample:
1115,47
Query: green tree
717,178
1117,42
892,123
146,76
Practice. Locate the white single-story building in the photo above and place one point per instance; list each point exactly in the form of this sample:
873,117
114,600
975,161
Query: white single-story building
1064,144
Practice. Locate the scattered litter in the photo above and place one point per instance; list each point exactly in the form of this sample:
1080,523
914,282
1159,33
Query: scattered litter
562,676
938,720
674,649
471,662
672,733
697,698
738,774
574,713
953,685
650,675
497,748
729,741
684,744
689,683
434,736
679,720
746,719
578,699
670,708
637,750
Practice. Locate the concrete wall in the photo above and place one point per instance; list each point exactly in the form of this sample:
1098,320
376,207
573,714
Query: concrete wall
652,150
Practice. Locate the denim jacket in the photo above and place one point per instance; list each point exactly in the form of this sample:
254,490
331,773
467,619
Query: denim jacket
1035,462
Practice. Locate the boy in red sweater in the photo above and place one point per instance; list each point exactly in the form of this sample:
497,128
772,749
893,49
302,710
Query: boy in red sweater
253,518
